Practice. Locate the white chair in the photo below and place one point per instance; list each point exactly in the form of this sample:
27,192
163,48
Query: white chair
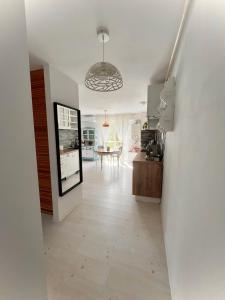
118,154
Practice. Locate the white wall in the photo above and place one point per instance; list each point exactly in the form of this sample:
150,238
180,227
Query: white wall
22,273
194,172
60,88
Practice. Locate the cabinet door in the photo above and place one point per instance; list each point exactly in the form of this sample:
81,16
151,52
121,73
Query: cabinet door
74,162
147,179
63,117
156,180
77,167
85,134
89,153
84,153
73,119
63,164
91,134
66,117
60,116
66,165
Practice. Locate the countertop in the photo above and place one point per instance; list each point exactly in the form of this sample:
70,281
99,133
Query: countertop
68,150
140,158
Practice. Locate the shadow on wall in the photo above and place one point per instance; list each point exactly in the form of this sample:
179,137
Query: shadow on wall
159,75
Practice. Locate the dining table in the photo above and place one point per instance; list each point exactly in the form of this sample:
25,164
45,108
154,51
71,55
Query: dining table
101,153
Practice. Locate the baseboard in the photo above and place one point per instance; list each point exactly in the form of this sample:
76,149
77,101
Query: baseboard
147,199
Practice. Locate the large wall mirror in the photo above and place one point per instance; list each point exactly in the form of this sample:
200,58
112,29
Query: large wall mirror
68,146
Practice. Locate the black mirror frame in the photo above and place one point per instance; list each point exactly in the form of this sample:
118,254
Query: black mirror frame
61,193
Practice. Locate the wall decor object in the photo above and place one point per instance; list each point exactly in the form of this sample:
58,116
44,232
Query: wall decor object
68,147
167,105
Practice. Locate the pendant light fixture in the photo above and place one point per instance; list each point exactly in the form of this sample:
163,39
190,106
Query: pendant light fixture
106,123
103,76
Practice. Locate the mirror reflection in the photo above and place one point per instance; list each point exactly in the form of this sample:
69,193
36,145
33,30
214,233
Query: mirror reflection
68,142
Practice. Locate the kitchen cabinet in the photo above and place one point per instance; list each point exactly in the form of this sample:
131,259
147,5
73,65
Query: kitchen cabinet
89,138
67,118
167,105
147,177
69,163
89,134
154,100
88,153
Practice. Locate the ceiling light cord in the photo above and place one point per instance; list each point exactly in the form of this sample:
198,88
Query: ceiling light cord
103,48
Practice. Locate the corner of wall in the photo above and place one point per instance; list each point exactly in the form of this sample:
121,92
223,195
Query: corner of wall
61,88
52,143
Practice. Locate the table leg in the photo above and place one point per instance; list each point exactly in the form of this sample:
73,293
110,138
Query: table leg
101,161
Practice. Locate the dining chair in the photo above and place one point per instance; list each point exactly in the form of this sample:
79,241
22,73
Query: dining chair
118,154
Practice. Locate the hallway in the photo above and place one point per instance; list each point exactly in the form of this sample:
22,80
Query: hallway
110,247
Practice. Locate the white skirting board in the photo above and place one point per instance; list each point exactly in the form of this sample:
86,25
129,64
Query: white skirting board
148,199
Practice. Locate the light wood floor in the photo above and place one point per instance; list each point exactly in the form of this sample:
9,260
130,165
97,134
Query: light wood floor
110,247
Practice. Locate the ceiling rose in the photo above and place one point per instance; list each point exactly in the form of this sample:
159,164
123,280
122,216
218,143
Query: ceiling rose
103,76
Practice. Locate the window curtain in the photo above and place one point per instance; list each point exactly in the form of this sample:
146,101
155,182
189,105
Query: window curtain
124,130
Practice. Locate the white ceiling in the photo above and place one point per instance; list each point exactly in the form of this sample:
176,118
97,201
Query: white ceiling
142,34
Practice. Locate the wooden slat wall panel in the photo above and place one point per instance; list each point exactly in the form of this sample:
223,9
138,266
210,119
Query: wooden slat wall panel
41,140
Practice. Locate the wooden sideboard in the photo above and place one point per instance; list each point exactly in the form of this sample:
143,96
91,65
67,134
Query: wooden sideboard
147,177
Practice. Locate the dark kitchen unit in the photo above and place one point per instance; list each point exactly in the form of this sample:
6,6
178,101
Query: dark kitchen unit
152,143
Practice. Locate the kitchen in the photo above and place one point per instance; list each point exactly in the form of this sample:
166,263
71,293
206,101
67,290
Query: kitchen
68,140
148,164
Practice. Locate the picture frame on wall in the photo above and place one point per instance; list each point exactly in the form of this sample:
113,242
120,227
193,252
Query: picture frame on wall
68,147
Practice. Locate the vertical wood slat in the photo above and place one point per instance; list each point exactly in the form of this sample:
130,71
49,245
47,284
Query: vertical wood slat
41,140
